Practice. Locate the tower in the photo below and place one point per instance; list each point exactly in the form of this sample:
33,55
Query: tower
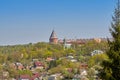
66,44
53,38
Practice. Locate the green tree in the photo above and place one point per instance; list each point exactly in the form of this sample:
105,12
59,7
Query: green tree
22,72
97,59
111,67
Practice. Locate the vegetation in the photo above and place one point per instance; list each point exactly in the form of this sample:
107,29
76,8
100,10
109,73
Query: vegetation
25,54
111,67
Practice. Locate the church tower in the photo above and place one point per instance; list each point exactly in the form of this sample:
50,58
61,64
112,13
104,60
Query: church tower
53,38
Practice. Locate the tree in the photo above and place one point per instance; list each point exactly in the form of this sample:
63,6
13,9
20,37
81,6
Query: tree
97,59
111,67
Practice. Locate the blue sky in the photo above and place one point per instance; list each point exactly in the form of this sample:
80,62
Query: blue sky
31,21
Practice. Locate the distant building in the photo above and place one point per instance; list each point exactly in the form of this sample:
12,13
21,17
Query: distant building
98,40
53,38
68,42
66,45
34,76
96,52
38,65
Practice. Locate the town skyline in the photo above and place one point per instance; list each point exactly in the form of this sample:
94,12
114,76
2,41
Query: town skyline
32,21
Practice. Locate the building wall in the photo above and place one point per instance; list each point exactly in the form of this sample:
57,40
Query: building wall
54,40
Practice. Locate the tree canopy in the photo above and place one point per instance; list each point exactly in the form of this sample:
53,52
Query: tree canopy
111,67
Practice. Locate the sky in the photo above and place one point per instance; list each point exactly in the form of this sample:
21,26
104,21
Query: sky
32,21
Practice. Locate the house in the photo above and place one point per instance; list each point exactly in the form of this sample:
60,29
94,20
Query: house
35,76
83,73
34,60
49,59
70,57
4,75
38,65
24,77
96,52
19,66
83,66
77,76
54,76
13,65
73,60
69,69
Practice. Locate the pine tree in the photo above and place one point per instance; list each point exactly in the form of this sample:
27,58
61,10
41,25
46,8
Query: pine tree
111,67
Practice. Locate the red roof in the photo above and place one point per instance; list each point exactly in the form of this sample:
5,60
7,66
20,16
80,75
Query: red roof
37,63
83,65
35,75
24,77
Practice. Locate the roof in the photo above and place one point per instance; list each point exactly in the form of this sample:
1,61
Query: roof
53,35
96,52
25,77
28,77
35,75
37,63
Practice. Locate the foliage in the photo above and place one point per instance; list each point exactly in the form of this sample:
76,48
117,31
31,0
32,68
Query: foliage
111,67
97,59
22,72
66,67
89,46
25,54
